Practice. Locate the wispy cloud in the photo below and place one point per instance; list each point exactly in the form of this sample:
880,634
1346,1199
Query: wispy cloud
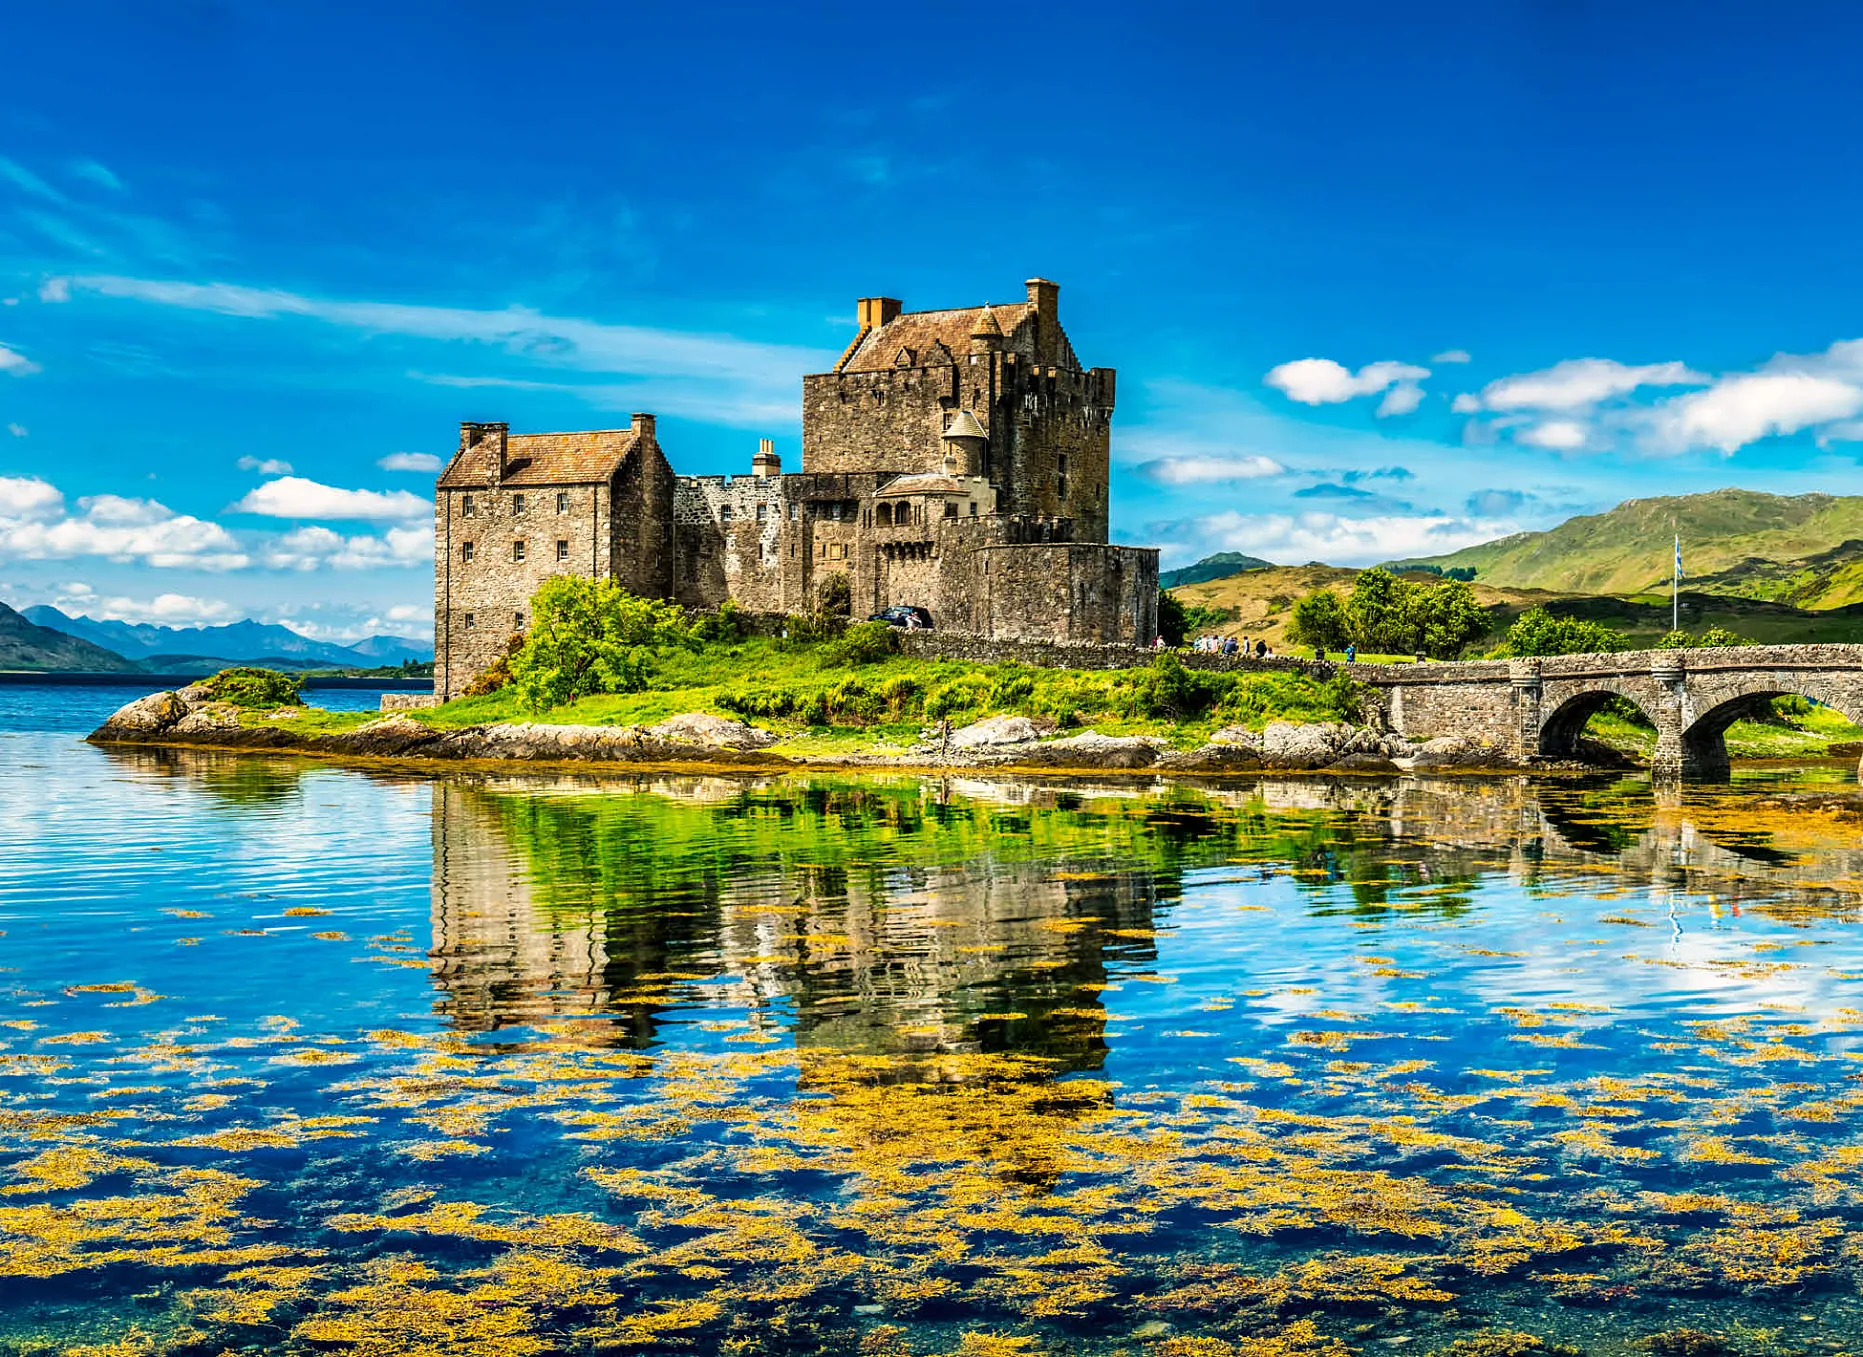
1204,470
410,461
15,363
265,466
711,376
1293,539
1576,384
316,548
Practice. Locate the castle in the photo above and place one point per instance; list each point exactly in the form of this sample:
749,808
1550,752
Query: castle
954,460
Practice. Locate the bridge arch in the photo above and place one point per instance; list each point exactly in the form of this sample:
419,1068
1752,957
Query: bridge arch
1720,699
1566,711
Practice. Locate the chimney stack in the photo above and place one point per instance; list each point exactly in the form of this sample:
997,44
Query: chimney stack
643,427
471,435
873,312
766,463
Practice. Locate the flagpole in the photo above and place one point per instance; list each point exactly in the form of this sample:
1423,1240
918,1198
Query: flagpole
1675,588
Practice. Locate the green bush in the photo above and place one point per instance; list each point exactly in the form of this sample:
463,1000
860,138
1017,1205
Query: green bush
250,687
752,702
1255,699
1173,618
1538,632
591,636
1169,691
723,626
1319,621
863,643
958,696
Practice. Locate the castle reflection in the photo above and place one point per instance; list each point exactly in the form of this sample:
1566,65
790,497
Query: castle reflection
956,915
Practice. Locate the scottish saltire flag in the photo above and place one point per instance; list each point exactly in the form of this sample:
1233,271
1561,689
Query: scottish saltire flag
1678,558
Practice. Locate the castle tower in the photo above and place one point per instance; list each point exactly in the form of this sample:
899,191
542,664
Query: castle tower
964,444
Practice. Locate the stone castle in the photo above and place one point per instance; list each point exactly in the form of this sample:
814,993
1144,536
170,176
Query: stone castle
954,460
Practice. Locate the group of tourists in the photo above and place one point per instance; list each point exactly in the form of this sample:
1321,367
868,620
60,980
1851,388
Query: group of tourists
1229,645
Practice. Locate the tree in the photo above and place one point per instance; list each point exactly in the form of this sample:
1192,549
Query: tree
1319,621
1538,632
1713,636
1444,618
1173,620
591,636
1375,612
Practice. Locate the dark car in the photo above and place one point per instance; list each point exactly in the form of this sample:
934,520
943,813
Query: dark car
904,615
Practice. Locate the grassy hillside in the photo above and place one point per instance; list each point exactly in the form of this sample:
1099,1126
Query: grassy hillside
1260,603
1211,568
25,646
1732,537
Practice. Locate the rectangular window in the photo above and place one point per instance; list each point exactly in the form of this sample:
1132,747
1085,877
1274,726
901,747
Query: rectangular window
465,551
562,501
795,512
517,505
973,508
763,512
517,551
562,549
471,621
950,508
517,621
468,509
724,513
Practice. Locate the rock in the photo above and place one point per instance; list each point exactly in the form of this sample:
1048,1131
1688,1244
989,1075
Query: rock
1239,736
195,694
207,720
714,732
146,715
1286,745
1457,751
1213,758
995,730
1090,749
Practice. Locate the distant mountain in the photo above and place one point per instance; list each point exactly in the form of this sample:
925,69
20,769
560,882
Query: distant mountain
26,646
1219,566
246,641
1736,542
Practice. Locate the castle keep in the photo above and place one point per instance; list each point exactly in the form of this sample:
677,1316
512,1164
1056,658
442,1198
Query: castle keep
955,460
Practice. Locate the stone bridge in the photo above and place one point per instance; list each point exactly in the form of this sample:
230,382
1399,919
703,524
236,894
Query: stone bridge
1538,707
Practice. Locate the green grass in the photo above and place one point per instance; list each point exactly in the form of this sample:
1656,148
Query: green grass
819,705
1791,733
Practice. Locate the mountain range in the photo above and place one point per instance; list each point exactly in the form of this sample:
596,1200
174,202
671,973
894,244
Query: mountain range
60,641
1805,550
1219,566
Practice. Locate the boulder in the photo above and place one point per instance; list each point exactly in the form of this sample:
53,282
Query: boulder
149,715
1090,749
714,732
1241,737
995,730
1457,751
195,694
209,719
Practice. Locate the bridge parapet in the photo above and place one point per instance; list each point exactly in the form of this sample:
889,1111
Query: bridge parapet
1538,707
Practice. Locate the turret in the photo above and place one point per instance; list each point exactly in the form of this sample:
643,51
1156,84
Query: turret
964,445
986,336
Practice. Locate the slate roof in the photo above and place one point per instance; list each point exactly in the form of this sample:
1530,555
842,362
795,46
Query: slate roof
920,330
543,459
926,483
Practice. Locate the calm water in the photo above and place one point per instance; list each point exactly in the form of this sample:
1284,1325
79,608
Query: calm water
295,1058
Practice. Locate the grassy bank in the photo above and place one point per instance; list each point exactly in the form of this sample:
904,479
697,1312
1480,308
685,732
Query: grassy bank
855,693
1790,728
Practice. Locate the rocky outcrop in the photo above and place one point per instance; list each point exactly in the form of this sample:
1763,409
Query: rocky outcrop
192,717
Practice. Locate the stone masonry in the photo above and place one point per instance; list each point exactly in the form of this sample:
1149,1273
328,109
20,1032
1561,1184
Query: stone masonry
953,460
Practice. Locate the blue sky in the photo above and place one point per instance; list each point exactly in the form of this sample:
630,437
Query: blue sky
1378,280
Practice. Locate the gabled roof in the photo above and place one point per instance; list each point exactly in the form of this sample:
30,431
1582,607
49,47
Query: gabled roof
930,483
542,459
920,331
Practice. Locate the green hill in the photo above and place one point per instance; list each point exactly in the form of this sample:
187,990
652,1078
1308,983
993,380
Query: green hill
25,646
1806,550
1219,566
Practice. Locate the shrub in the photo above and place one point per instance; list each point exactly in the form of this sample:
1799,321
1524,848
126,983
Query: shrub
1713,636
749,702
1319,621
591,636
1538,632
1170,691
864,643
250,687
1255,699
725,625
497,674
902,695
959,696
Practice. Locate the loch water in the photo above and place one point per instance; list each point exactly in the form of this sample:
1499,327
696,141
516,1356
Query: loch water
303,1058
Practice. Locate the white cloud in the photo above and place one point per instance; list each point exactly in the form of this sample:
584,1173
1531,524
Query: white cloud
1206,469
1560,435
55,290
1452,356
1321,381
16,364
17,430
296,497
176,610
711,376
34,527
1749,406
315,548
1293,539
97,174
410,461
1575,384
24,497
265,466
